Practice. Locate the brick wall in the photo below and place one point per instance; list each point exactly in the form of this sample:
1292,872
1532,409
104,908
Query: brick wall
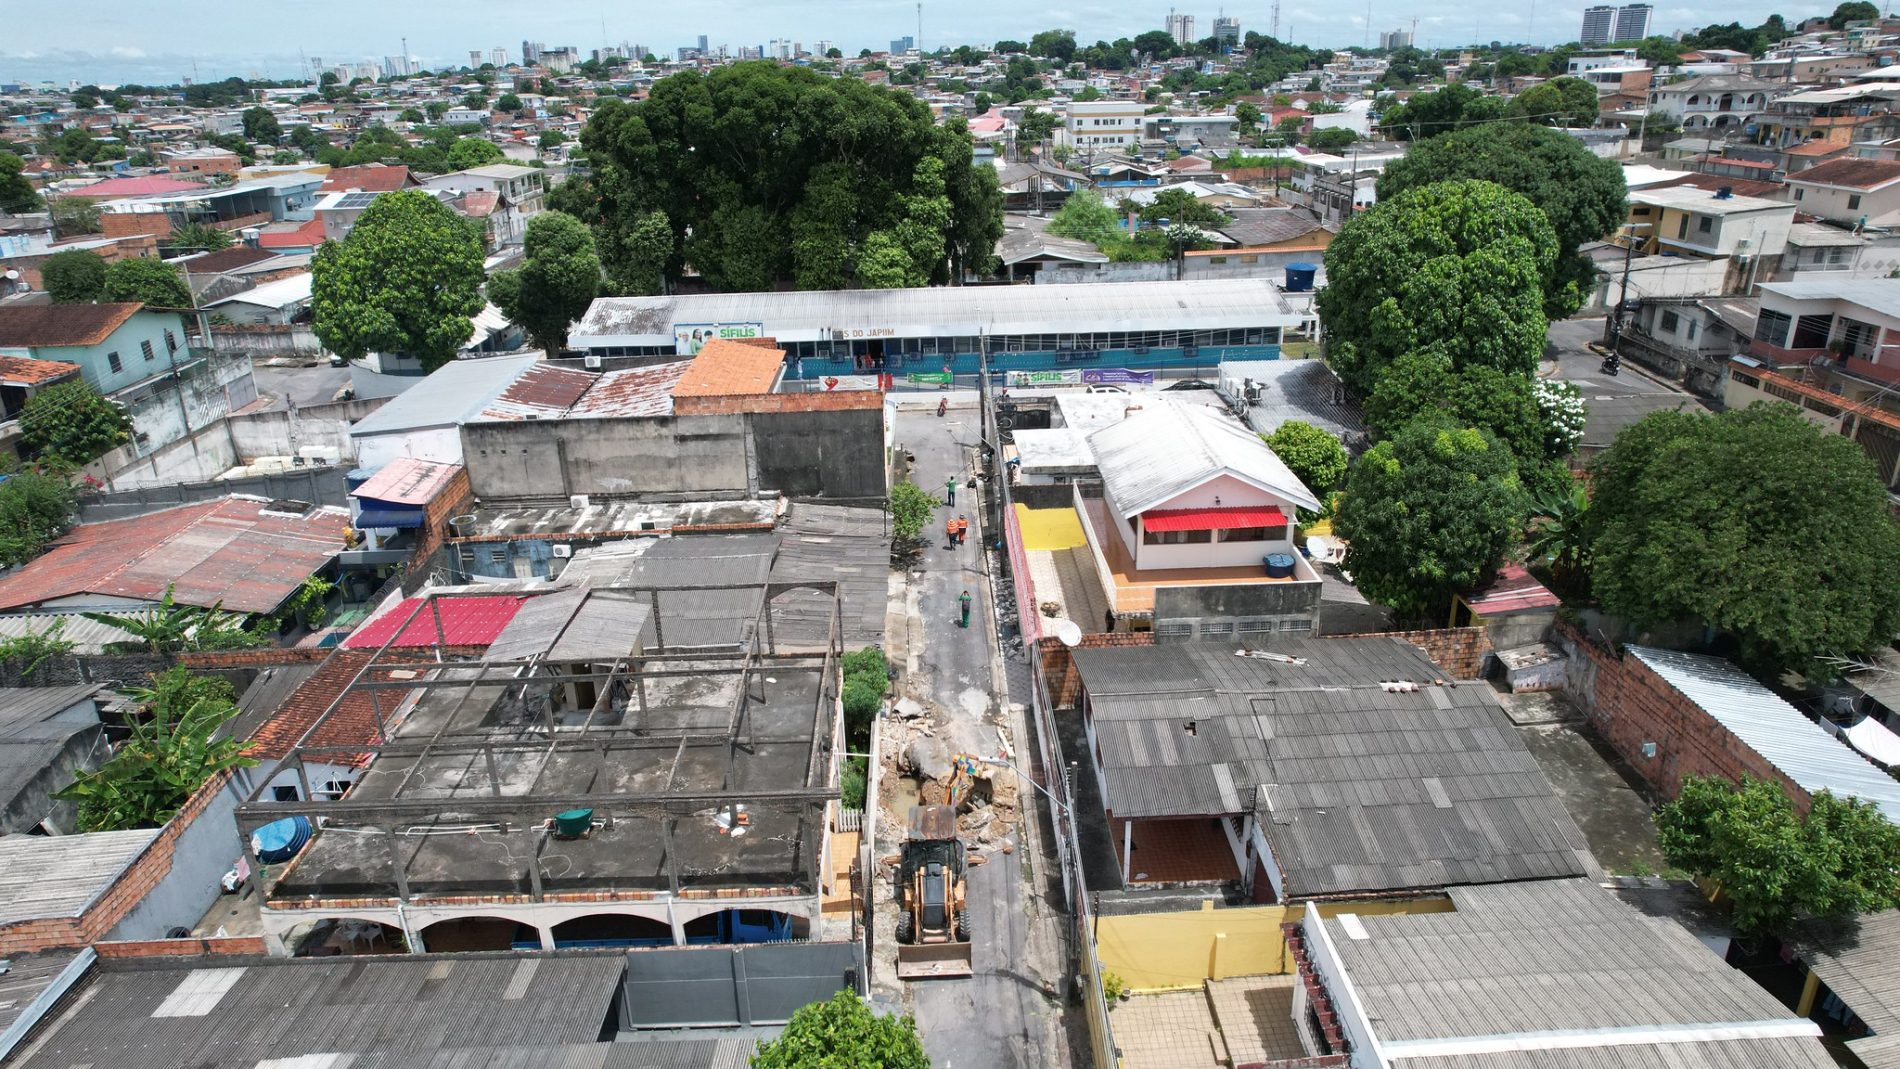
243,945
1058,668
1320,1002
1630,705
1460,651
122,224
837,401
455,499
144,873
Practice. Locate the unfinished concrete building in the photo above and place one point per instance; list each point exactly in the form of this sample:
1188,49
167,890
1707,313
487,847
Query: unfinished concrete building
611,771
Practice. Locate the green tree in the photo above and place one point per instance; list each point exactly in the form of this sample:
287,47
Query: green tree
198,237
1058,45
1754,522
1036,125
406,280
1562,101
509,103
74,216
1775,865
1086,217
17,196
1852,11
1582,196
769,175
1180,207
1428,115
1330,139
1454,270
843,1033
1559,529
261,125
174,748
1429,512
412,115
911,508
36,506
473,152
1500,402
1313,454
559,277
74,277
69,422
147,280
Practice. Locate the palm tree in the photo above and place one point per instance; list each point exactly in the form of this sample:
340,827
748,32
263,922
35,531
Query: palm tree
1558,531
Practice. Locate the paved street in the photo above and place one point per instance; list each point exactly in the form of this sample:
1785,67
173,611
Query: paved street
999,1017
303,385
1610,403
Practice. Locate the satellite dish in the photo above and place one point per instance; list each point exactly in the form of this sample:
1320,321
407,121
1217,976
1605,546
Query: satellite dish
11,276
1069,632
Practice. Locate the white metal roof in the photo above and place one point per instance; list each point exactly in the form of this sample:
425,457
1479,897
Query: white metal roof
1880,295
944,311
1167,449
281,293
1695,199
1798,747
450,394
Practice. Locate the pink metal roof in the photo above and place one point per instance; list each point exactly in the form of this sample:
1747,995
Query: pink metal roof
473,621
144,186
1212,519
408,481
1512,589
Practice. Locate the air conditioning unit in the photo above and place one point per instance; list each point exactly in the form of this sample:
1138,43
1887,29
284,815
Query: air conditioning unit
564,552
591,361
578,501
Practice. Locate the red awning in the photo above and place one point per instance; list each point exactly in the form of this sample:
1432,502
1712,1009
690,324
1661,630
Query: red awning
1215,519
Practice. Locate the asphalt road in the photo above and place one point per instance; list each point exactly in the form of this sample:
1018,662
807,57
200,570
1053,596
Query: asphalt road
1566,357
301,385
998,1017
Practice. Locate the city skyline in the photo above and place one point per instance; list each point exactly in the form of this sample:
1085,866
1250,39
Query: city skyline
122,42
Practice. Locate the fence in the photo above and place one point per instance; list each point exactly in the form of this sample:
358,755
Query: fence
322,486
1053,774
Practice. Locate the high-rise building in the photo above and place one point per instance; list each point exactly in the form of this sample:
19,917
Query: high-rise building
903,45
530,53
1599,23
1395,40
1632,22
474,58
1227,30
751,52
823,48
702,45
498,56
1181,28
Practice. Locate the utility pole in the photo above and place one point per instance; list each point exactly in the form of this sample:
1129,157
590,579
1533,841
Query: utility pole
920,29
1275,32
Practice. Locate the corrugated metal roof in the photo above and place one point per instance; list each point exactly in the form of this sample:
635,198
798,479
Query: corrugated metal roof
1167,449
21,708
407,481
1801,749
954,311
471,621
60,875
637,391
1557,956
575,625
543,391
1859,960
307,1008
454,392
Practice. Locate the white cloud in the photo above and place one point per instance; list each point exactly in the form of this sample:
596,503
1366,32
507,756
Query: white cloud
127,52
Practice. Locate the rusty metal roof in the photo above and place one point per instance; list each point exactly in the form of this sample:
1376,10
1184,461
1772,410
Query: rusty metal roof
407,481
639,391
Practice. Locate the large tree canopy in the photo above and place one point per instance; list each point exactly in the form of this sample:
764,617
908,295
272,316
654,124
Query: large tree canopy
1562,101
1429,512
1481,397
1581,194
843,1033
74,276
17,195
145,279
559,277
407,279
1454,270
1428,115
1754,522
767,175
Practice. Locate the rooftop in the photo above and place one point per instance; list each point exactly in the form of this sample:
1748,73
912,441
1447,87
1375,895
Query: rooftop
1167,449
369,177
725,368
1859,960
234,551
453,392
471,621
1359,788
1554,974
1796,746
212,1015
279,293
230,259
44,876
141,186
947,310
1511,589
1880,295
43,326
408,481
25,371
1693,199
1850,174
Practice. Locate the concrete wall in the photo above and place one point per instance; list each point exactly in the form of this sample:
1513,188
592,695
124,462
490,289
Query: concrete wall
440,444
321,485
204,848
286,432
1278,602
821,454
167,411
203,456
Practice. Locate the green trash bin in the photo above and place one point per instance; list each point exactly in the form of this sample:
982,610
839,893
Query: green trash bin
573,824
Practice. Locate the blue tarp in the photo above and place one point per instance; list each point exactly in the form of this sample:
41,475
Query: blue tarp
384,516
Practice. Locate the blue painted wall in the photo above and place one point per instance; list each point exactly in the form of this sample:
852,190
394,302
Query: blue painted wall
1206,356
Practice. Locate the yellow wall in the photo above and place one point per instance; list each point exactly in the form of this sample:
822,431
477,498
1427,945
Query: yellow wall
1157,951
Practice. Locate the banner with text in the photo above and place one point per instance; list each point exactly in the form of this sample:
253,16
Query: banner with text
689,338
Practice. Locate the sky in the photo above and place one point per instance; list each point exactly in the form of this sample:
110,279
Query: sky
121,41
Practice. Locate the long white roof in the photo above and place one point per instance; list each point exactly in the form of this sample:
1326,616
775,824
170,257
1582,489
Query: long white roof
944,311
1798,747
1167,449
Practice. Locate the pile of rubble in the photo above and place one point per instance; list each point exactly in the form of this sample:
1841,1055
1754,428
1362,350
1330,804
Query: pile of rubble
942,755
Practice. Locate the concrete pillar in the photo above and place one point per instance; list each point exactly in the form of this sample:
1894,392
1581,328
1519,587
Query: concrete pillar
1810,989
1128,848
673,921
547,937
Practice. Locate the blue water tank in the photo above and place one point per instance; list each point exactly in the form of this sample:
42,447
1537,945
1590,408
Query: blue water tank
281,840
1279,565
1299,277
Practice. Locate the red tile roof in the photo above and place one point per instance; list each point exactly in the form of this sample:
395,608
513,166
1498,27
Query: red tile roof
1512,589
21,371
369,178
1212,519
145,186
35,326
228,551
473,621
407,481
309,234
726,368
354,721
213,263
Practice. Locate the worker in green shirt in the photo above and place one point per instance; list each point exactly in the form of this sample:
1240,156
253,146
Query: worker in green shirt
964,603
950,491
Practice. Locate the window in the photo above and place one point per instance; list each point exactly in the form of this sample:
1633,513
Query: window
1853,202
283,794
1670,321
1704,225
145,347
1800,194
1682,227
1254,534
1692,329
112,361
171,342
1176,538
1772,327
